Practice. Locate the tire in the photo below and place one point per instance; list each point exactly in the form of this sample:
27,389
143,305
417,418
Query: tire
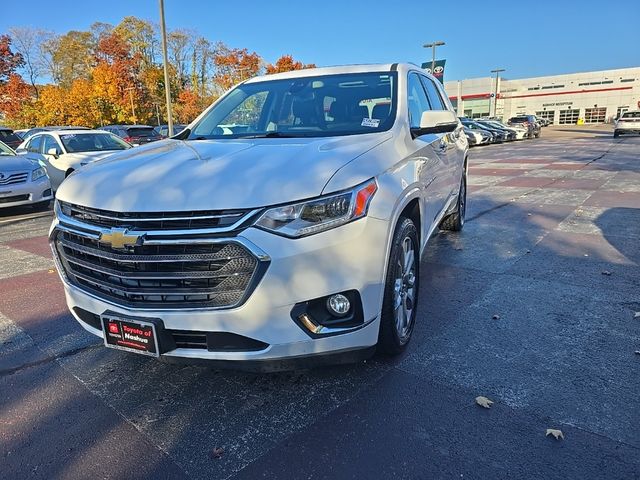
455,221
401,290
616,134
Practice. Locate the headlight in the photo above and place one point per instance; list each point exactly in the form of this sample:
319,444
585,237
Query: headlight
38,173
314,216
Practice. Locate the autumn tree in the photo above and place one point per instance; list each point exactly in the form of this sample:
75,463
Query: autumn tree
71,56
234,65
142,38
9,60
15,96
286,63
28,41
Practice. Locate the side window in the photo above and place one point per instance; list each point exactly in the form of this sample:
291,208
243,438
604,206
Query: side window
417,100
34,144
50,142
434,95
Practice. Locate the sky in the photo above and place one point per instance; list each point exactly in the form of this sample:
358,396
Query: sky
526,37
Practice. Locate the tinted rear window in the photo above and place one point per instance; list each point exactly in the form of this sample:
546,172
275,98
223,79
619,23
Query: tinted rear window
9,136
141,132
631,115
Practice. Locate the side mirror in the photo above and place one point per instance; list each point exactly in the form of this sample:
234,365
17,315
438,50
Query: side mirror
53,152
436,121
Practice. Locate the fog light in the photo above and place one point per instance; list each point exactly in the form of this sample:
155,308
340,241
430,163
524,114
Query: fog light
338,305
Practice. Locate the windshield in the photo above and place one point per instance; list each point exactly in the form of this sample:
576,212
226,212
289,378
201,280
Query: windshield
5,150
329,105
141,132
631,115
92,142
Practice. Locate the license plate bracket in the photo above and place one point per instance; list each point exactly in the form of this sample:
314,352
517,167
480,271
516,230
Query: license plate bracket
131,334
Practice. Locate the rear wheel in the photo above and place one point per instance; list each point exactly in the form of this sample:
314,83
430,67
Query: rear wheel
401,290
616,134
455,221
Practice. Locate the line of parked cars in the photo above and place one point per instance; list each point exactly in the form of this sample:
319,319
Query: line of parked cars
483,131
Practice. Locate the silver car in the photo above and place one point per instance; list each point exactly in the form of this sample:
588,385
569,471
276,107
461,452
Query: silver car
22,181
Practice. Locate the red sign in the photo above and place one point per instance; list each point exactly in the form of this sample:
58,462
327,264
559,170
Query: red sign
113,328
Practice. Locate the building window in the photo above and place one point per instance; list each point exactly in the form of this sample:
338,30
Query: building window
627,80
569,116
595,115
621,110
547,87
547,115
533,88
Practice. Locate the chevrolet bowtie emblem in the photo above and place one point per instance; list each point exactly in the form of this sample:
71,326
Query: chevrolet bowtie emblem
120,238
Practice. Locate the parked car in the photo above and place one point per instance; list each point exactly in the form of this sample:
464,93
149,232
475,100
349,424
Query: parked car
518,133
33,131
64,151
629,122
8,137
527,121
22,181
509,132
293,233
163,130
542,121
498,136
134,134
478,137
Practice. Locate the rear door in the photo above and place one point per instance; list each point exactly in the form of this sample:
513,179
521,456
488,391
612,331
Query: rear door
451,155
428,153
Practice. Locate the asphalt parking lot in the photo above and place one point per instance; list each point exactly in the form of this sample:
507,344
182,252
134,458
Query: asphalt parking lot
535,305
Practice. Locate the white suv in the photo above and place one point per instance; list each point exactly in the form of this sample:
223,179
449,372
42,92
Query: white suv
629,122
285,223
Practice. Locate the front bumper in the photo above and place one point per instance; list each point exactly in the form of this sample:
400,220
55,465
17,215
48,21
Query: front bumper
350,257
27,193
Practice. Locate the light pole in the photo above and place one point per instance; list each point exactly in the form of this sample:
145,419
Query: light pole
167,87
133,109
433,53
495,96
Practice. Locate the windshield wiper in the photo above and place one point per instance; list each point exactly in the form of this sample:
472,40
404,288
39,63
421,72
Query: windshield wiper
274,135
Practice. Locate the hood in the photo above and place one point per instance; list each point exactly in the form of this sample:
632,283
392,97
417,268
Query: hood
176,175
16,163
88,157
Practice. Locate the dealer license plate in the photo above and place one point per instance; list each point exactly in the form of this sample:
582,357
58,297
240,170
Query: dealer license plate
132,335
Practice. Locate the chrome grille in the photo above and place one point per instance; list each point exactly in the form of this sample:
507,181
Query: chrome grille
219,274
14,178
155,220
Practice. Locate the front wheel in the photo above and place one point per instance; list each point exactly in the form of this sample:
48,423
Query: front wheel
616,134
401,290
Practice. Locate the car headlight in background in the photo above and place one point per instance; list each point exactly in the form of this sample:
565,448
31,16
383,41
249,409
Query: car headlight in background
317,215
38,173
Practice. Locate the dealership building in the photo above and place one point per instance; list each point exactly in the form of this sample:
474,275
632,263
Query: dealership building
592,97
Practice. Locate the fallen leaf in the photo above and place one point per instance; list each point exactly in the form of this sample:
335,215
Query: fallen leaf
606,272
51,270
496,317
217,452
557,434
484,402
636,315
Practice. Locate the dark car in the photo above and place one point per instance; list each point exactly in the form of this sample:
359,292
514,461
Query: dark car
9,138
134,134
511,133
163,130
527,121
498,135
35,130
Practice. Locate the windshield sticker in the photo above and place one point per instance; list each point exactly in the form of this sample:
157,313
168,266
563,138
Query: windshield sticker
370,122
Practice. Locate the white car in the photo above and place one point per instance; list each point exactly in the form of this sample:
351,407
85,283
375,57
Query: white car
521,132
64,151
22,181
629,122
293,232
